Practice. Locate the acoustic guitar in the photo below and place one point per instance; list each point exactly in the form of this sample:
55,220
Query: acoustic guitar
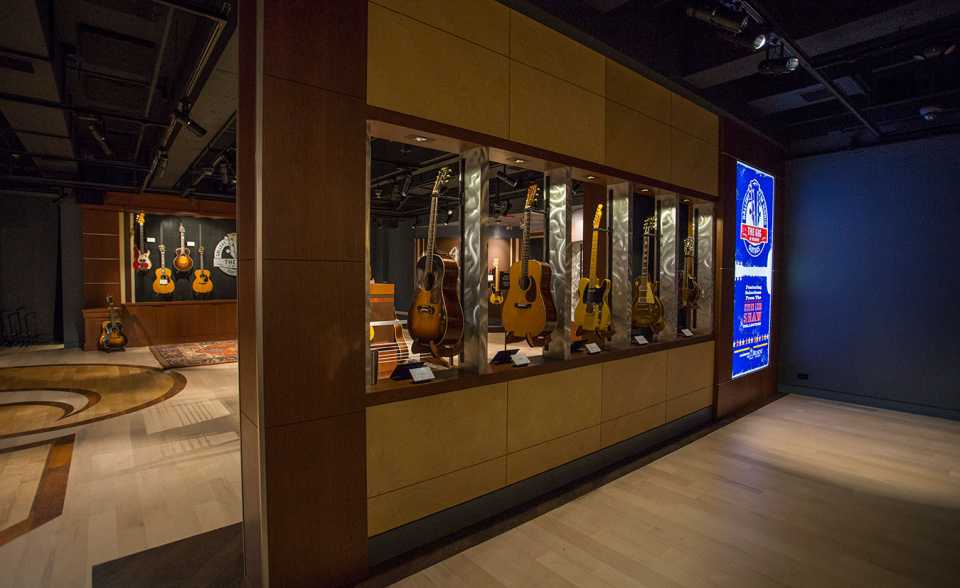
593,307
111,331
496,297
647,310
164,282
529,312
182,263
435,319
690,291
141,263
202,284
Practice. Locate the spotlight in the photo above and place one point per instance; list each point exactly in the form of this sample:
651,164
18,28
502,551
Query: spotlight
930,113
99,137
406,185
183,115
161,164
224,177
724,18
755,44
507,179
778,65
416,222
760,41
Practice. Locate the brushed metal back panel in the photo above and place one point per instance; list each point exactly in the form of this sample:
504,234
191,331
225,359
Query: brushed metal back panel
473,257
668,264
576,272
370,369
705,268
621,245
559,185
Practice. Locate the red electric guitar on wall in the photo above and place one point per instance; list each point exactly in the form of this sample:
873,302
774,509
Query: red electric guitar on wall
141,262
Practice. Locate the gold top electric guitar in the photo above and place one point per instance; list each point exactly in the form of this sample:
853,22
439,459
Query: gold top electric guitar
647,310
593,308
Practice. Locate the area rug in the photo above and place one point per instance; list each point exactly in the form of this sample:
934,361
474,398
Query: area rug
182,355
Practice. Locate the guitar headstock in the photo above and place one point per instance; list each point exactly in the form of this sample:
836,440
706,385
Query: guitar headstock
688,246
596,217
442,176
496,262
162,248
181,229
140,218
650,226
531,195
201,250
110,300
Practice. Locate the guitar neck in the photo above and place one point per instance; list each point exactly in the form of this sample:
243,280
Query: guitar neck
112,317
645,264
593,259
525,251
432,232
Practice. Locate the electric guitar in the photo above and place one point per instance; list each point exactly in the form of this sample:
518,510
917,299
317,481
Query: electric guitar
201,278
647,310
164,282
142,261
690,291
111,331
593,308
529,312
435,319
182,263
496,297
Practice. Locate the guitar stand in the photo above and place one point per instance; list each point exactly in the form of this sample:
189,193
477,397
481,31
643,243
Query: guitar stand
533,341
446,350
105,350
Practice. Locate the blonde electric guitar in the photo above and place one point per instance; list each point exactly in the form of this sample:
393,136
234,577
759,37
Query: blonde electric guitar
593,308
647,310
496,297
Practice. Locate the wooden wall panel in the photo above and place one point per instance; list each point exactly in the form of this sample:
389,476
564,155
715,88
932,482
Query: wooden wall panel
632,424
636,143
689,368
547,50
100,222
684,405
140,323
226,318
399,507
551,113
693,162
632,384
102,271
101,247
170,322
415,440
95,295
549,406
540,458
419,70
484,22
200,320
634,91
694,120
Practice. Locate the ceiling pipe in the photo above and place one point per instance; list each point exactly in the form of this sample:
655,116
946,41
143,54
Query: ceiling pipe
156,76
754,12
53,182
103,163
80,110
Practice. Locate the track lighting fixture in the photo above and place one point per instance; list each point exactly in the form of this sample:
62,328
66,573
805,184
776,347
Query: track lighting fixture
406,185
778,65
930,113
161,164
99,137
449,216
506,179
755,43
183,115
416,222
721,17
224,176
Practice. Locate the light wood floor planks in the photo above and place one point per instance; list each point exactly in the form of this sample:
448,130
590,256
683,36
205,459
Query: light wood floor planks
803,492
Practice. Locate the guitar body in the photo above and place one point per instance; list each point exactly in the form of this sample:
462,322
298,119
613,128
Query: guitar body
436,315
164,282
202,283
496,297
183,263
142,262
647,309
690,296
528,310
593,308
111,335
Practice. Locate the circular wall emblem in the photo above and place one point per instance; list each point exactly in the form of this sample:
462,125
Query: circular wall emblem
225,255
754,220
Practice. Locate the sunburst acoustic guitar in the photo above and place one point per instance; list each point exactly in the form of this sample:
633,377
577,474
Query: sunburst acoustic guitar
528,311
182,263
593,307
111,331
647,311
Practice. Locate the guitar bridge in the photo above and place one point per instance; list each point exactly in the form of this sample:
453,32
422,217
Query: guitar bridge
426,309
522,304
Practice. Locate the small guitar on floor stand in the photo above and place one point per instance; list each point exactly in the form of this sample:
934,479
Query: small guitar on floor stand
111,332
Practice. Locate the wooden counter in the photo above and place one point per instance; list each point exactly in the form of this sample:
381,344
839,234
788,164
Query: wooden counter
161,323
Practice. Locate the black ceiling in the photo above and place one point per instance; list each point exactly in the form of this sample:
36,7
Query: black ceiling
882,55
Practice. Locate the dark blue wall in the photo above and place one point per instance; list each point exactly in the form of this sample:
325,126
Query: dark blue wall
871,283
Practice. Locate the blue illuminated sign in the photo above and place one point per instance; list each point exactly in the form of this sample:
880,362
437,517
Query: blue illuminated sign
753,275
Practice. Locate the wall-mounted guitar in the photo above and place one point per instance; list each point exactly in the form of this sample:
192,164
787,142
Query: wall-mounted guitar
593,308
528,312
142,254
647,310
163,285
435,319
690,291
202,284
182,263
111,332
496,297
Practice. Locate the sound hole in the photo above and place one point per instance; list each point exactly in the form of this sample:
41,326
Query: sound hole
524,282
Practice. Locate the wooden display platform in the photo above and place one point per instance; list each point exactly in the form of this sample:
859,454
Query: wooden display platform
162,323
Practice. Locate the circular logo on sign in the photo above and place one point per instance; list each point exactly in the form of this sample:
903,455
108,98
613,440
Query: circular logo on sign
225,255
754,220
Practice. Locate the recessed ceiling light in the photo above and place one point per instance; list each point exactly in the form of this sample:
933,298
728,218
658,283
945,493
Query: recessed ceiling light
644,190
419,138
591,177
686,200
519,160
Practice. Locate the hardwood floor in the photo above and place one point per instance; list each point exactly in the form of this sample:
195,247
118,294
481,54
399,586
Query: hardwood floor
803,492
136,481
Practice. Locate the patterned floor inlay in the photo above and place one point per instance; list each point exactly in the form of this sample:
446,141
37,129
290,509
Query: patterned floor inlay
39,399
33,479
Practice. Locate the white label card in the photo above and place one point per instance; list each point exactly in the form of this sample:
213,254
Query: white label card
641,340
421,374
190,243
592,348
687,332
151,239
520,359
